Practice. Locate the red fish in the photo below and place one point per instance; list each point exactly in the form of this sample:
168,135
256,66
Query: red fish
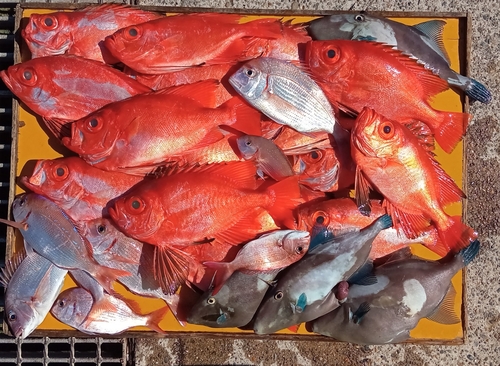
318,170
391,159
150,129
176,42
355,74
81,190
66,88
81,32
342,215
210,204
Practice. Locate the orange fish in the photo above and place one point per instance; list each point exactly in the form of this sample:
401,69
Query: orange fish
176,42
318,170
355,74
150,129
342,215
66,88
81,32
391,159
81,190
216,203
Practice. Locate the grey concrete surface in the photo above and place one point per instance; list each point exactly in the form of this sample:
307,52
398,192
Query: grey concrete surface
482,345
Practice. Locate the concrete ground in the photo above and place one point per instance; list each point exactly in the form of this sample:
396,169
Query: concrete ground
482,346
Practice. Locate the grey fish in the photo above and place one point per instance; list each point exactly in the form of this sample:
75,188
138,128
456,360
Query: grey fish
49,232
269,158
33,284
422,41
304,292
236,302
405,292
286,94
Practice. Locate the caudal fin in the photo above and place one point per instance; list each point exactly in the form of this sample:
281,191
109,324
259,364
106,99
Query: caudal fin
451,130
477,91
224,271
245,118
286,195
457,235
469,253
155,317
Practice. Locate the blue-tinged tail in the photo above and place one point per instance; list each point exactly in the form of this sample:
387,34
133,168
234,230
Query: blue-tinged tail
385,221
477,91
470,252
319,235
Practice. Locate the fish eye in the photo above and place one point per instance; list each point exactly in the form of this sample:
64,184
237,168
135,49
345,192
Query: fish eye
61,172
48,22
27,75
93,123
248,143
331,53
314,155
136,205
278,295
320,218
22,201
61,303
133,32
299,250
250,72
359,18
386,130
211,300
12,316
101,229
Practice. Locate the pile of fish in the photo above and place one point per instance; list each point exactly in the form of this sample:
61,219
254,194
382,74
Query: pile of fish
215,157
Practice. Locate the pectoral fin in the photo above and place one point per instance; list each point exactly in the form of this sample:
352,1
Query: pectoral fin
362,310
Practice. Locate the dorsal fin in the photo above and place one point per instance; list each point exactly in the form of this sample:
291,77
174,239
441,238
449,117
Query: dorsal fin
449,191
434,30
431,83
10,267
203,92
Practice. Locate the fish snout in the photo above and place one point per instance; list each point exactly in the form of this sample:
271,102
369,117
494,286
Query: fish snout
76,139
38,177
119,217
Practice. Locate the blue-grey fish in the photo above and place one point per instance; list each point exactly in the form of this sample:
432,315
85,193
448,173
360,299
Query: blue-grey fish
32,284
422,41
304,292
236,302
405,291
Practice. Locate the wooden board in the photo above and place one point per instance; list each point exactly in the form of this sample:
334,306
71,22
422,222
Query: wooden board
30,142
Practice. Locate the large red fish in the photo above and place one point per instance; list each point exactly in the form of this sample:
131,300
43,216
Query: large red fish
391,159
342,215
355,74
177,42
66,88
81,190
81,32
211,204
150,129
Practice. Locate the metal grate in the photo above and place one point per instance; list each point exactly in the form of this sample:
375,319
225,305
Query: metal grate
64,351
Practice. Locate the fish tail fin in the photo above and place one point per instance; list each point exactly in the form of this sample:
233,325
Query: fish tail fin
286,195
457,235
106,276
452,129
224,271
245,118
469,253
477,91
155,317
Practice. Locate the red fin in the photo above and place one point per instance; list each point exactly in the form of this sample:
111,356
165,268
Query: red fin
232,54
432,241
210,138
155,318
269,28
98,308
294,328
412,225
171,267
245,229
362,188
423,133
449,192
240,173
457,235
203,92
106,275
286,196
451,130
245,118
224,271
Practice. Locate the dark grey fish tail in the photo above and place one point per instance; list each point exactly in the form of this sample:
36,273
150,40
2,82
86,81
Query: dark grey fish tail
477,91
470,252
385,221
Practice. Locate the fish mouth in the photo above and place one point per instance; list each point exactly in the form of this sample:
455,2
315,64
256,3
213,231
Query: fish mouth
360,139
38,177
74,142
324,182
6,79
119,217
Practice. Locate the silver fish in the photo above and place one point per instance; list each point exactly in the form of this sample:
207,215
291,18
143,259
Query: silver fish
236,302
284,93
304,292
33,284
50,233
405,291
73,307
422,41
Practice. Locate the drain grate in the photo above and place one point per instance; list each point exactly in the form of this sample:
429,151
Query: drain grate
64,351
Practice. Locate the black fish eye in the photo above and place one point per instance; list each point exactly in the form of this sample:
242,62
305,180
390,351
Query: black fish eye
248,143
93,122
320,219
359,18
101,229
136,205
250,72
278,295
27,75
211,300
133,32
60,172
299,250
61,303
387,129
22,201
12,316
330,53
48,22
314,155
